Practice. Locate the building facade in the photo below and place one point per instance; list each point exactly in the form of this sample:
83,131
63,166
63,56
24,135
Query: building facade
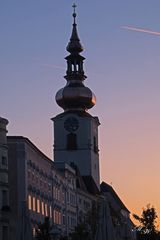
4,186
42,188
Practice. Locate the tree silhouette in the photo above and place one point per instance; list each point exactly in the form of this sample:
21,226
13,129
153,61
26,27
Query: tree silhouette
147,229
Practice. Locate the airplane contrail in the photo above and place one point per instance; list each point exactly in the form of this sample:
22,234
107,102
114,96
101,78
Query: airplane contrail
143,30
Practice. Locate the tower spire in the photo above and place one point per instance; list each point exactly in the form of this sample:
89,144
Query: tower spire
74,12
75,95
74,46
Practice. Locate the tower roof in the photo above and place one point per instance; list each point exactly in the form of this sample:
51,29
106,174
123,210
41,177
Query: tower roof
74,46
75,95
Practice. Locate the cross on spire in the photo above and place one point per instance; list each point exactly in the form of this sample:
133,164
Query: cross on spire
74,12
74,7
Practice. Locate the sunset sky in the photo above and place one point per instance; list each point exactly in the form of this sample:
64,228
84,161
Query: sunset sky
122,50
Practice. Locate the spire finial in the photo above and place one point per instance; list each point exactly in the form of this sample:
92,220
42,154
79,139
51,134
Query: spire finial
74,12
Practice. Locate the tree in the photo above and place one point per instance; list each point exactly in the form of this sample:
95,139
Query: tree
148,226
43,230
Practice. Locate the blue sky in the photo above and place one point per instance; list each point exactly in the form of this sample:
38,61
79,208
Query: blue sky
123,71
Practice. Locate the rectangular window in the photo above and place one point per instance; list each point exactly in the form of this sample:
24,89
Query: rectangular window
58,194
38,206
34,204
34,232
55,193
54,216
71,141
59,218
46,210
67,197
4,198
4,161
29,202
63,197
50,211
63,219
42,207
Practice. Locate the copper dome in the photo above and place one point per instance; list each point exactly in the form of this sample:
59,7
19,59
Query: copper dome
79,97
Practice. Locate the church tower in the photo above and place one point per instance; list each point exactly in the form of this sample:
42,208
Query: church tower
75,130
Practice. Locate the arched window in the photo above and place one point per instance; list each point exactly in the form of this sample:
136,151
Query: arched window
71,141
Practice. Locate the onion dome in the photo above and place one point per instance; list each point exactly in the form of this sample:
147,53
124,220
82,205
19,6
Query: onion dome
75,95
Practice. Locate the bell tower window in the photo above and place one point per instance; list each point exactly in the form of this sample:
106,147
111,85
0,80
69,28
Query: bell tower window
71,141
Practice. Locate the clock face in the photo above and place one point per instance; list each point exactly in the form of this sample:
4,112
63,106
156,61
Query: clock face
71,124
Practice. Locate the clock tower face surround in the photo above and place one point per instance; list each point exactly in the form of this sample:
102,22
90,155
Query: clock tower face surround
71,124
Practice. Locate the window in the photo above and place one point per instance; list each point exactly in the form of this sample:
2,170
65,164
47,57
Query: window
34,204
4,161
42,207
50,211
67,197
46,209
59,218
4,198
72,199
63,219
58,194
34,232
29,202
54,216
38,206
71,141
